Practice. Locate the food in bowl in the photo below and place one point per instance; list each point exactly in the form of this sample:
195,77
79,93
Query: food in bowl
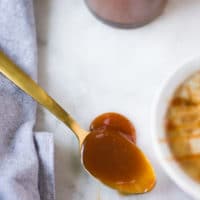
183,126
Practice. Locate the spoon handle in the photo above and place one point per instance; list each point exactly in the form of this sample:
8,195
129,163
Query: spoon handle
29,86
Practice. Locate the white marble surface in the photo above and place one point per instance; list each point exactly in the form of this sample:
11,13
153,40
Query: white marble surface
91,68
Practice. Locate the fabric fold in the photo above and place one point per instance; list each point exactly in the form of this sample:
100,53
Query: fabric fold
26,158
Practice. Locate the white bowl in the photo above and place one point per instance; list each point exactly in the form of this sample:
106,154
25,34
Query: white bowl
158,130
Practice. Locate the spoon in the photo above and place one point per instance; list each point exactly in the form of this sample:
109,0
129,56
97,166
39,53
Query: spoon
106,154
29,86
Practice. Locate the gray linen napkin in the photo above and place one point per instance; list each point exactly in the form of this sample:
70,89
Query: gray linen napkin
26,158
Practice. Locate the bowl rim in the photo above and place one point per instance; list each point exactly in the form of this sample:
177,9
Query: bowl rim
181,179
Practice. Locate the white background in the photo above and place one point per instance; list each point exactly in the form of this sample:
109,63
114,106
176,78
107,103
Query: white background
91,68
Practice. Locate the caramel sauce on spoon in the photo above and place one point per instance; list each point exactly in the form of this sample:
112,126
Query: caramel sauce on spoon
110,154
108,151
116,122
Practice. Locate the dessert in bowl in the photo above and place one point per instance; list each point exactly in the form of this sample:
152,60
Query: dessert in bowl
176,127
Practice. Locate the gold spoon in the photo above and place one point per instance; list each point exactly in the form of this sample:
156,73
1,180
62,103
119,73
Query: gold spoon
92,144
23,81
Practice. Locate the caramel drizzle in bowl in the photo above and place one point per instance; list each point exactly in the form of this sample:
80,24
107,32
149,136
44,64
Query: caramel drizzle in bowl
183,126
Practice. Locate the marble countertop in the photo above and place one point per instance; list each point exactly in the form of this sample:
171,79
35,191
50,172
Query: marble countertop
91,68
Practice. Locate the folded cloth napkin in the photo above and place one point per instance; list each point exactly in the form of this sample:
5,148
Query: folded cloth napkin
26,157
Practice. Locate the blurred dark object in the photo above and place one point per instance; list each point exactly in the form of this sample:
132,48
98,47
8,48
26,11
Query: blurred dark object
126,13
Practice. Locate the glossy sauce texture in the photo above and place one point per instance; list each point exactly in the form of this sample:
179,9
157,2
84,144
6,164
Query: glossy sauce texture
116,122
113,158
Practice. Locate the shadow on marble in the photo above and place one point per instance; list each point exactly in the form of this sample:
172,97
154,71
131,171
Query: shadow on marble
42,18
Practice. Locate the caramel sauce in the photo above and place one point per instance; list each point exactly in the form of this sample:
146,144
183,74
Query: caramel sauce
117,122
110,154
